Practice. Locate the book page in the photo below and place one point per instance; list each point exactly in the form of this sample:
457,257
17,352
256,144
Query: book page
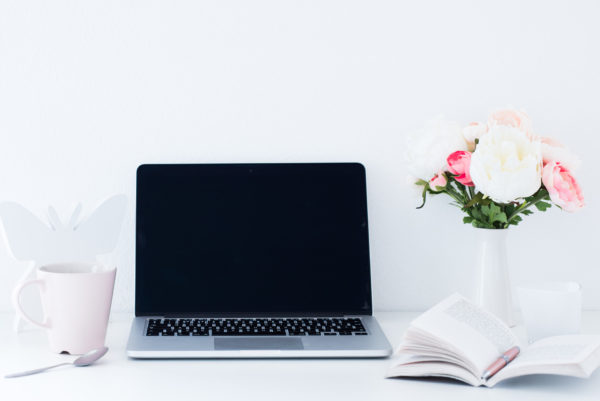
478,336
413,366
571,355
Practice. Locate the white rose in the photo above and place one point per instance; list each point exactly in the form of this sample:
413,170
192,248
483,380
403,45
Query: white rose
513,118
474,131
554,151
428,148
506,165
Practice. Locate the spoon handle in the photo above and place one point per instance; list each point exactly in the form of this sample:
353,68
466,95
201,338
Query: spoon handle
34,371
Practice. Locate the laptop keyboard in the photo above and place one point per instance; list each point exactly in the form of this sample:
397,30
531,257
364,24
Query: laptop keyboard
256,327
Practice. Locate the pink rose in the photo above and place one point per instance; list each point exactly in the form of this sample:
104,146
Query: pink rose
512,118
562,187
459,163
438,182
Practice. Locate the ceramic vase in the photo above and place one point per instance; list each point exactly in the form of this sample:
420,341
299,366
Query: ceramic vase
494,290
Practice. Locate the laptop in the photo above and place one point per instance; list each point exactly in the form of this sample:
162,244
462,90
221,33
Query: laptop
253,260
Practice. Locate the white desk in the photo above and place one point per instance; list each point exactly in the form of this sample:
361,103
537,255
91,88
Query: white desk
115,377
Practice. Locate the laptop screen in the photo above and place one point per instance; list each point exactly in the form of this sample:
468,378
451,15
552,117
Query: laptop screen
252,240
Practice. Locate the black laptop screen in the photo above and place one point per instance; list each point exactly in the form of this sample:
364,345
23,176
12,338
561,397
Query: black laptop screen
252,239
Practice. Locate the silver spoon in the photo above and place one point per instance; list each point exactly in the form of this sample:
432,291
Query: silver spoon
83,360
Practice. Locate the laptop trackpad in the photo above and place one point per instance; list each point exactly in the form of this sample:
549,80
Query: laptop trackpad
257,343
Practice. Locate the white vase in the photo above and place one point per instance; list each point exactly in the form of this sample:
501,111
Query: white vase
494,290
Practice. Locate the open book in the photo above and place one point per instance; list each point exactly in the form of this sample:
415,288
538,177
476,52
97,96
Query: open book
459,340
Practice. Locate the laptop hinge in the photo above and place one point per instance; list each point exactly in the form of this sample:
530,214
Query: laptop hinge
253,315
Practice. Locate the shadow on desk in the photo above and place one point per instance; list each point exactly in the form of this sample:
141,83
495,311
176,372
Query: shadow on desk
553,383
432,380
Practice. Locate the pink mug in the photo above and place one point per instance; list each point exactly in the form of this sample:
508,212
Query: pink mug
76,300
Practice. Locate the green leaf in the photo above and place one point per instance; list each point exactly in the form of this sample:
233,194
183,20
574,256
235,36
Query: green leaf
542,193
496,218
542,206
515,220
476,213
494,211
424,194
527,212
477,198
501,218
468,219
421,182
481,224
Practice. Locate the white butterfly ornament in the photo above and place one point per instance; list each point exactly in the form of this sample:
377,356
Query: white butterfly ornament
30,239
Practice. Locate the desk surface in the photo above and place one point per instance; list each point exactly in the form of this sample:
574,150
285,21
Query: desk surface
116,377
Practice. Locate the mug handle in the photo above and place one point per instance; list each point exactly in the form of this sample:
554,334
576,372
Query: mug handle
17,303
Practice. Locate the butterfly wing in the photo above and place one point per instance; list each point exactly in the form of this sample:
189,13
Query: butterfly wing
100,231
53,219
27,235
75,217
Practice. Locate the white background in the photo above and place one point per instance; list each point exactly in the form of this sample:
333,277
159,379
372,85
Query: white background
91,89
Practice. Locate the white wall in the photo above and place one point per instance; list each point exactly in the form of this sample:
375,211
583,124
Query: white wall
91,89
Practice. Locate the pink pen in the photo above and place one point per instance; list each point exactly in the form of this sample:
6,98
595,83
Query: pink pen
501,362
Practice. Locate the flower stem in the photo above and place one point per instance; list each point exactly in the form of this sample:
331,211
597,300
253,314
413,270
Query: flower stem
527,204
456,196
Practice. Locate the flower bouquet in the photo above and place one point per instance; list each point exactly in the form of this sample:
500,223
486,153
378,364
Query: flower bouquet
495,172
